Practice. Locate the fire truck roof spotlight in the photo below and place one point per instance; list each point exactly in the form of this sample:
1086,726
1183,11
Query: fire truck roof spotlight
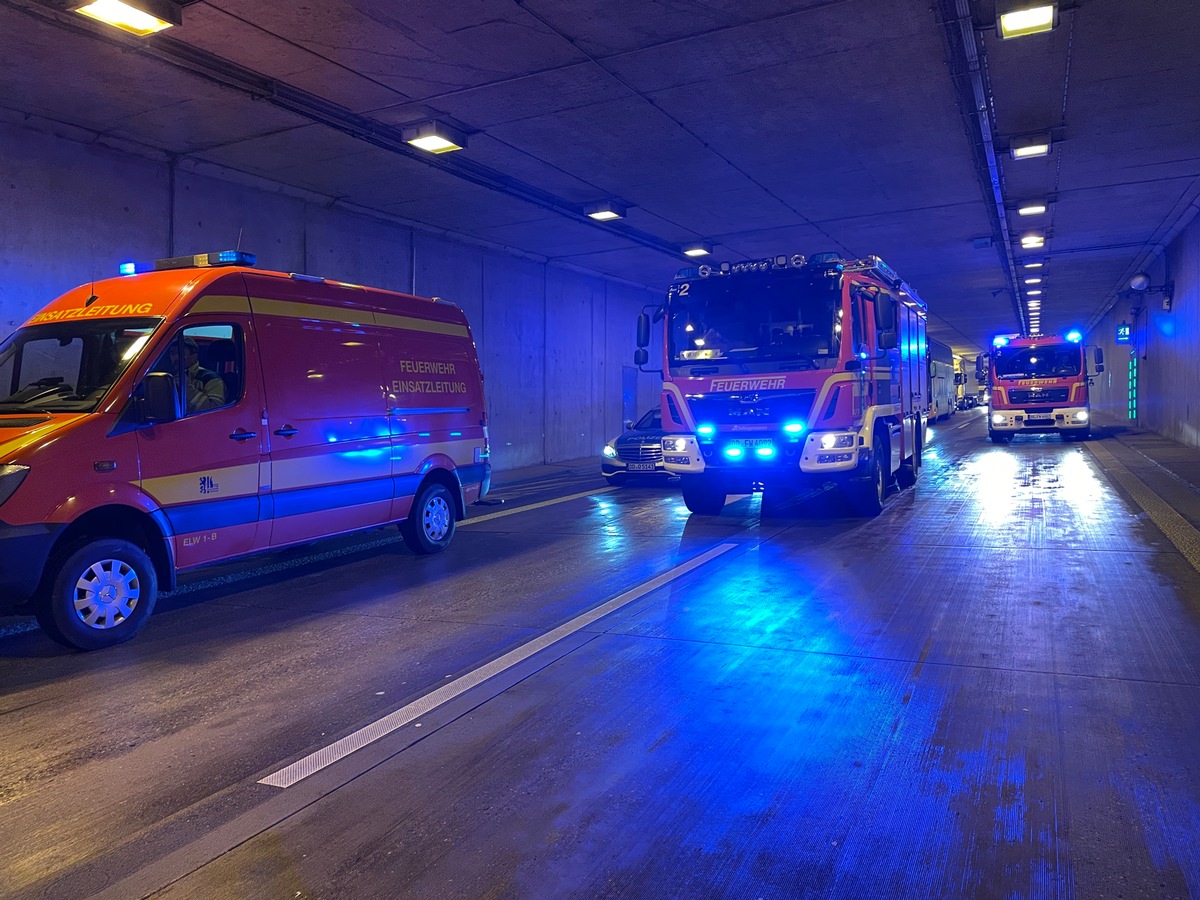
1000,342
1074,336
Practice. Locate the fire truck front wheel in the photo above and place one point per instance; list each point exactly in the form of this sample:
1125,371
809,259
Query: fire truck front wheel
998,438
702,495
102,594
866,495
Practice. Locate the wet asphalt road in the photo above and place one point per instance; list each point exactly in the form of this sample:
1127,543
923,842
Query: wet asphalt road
991,690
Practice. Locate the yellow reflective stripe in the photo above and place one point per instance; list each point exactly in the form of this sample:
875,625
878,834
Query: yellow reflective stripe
218,303
387,320
319,312
231,481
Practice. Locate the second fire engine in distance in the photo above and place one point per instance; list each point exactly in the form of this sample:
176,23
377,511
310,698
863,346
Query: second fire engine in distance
1038,385
785,374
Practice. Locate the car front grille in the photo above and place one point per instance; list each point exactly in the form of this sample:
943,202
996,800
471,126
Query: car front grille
641,453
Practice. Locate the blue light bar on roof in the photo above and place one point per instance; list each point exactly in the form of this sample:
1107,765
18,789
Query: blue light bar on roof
999,342
197,261
1074,336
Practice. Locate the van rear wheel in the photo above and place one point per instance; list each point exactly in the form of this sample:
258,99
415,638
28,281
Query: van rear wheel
102,594
430,524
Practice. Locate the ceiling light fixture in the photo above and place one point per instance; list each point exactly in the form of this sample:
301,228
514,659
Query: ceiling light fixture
1030,146
606,211
1027,18
434,137
1034,293
699,248
1033,281
140,17
1034,264
1033,240
1031,209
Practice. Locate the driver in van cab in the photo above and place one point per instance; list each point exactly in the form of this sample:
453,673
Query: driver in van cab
205,389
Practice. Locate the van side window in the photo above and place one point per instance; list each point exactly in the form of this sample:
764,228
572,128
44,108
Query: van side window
207,363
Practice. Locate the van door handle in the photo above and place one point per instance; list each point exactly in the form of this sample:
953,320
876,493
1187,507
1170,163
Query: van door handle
240,435
286,431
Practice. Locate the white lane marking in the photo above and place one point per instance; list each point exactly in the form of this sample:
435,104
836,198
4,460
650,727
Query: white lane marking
327,756
519,509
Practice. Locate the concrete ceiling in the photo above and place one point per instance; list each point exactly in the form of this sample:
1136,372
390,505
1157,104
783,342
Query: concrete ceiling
762,126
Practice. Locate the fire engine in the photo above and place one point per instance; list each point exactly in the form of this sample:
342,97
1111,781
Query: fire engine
786,374
1037,384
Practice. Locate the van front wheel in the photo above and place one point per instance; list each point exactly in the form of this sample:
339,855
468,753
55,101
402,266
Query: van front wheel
430,523
102,594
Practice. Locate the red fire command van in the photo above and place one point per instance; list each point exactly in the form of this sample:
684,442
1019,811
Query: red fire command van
196,410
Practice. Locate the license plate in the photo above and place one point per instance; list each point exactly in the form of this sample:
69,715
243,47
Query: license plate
1039,420
751,443
640,467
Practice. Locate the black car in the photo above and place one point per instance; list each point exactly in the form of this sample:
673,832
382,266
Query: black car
636,452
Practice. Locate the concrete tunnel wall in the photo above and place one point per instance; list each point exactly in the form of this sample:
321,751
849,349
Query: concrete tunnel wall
1165,346
556,345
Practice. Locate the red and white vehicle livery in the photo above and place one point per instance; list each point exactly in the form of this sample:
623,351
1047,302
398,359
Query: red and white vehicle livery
788,373
197,410
1038,385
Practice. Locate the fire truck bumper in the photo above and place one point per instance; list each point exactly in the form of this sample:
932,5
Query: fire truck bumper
820,455
1027,421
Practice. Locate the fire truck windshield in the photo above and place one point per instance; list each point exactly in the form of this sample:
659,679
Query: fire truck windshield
1044,361
67,366
751,317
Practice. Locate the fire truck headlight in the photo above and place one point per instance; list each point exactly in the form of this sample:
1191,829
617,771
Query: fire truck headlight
11,477
674,444
997,418
1081,416
833,441
609,451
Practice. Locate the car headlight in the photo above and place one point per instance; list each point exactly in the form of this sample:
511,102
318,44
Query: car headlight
11,477
674,444
834,441
609,451
997,419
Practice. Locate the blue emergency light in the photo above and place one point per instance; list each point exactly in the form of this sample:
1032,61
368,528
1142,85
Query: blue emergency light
196,261
1074,336
999,342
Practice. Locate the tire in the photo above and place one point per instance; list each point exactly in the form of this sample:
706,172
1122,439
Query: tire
701,495
867,498
998,438
431,521
103,592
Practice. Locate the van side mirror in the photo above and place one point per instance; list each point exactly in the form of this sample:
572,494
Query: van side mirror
156,398
643,330
1099,360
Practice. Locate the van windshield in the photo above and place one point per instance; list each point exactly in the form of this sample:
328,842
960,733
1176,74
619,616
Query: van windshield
68,366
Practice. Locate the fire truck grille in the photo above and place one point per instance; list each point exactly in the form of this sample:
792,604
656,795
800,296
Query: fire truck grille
748,411
644,453
1054,395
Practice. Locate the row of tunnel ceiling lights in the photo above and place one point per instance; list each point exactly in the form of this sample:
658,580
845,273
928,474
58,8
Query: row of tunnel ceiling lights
146,17
1012,21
